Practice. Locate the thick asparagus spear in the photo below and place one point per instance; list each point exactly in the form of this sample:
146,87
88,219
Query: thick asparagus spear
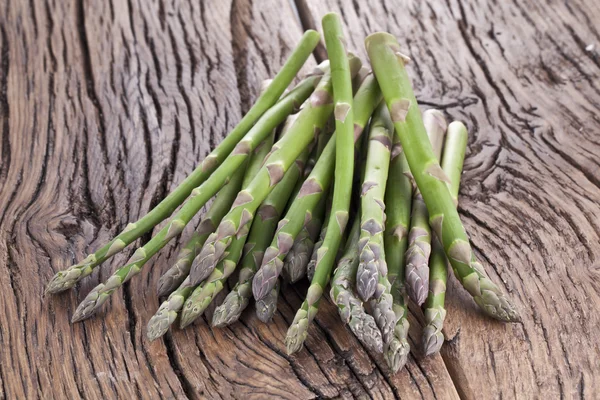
371,277
452,163
398,197
66,279
198,198
388,65
342,190
342,292
317,183
269,209
311,119
175,275
419,236
169,310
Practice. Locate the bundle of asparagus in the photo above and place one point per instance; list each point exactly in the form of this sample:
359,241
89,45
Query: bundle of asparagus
277,189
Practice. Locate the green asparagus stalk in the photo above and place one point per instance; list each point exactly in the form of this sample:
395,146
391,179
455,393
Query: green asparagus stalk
302,208
268,210
266,307
372,257
419,236
398,197
311,119
349,306
342,189
198,198
371,277
388,65
169,310
175,275
66,279
435,313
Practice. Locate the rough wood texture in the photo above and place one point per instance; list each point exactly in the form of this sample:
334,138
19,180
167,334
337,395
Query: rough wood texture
105,106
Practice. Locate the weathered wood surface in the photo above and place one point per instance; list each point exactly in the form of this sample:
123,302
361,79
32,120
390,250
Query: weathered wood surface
106,106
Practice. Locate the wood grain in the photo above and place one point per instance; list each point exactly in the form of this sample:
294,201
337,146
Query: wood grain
107,106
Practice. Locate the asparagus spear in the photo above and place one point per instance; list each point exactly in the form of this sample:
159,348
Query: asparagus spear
269,210
66,279
452,162
266,307
388,65
311,119
371,277
419,236
398,197
169,310
349,306
198,198
175,275
302,208
342,190
296,262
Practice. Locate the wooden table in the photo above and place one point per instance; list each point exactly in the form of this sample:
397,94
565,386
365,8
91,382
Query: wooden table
105,106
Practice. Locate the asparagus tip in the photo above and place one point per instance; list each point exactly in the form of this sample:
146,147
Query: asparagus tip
165,286
396,355
432,340
365,329
92,302
293,341
159,324
60,282
186,319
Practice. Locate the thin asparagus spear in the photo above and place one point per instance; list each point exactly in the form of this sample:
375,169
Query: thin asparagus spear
66,279
268,210
349,306
169,310
302,208
398,197
175,275
388,65
419,236
435,313
198,198
371,277
342,190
